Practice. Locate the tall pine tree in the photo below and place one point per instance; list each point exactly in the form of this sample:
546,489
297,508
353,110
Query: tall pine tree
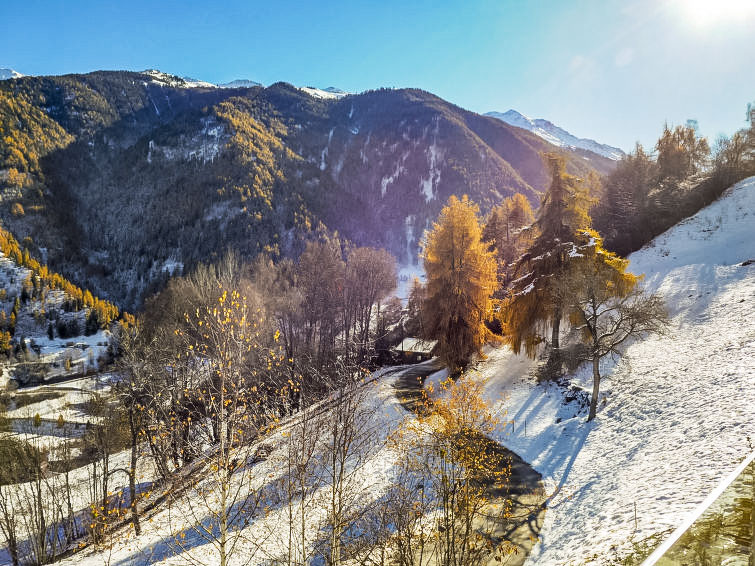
505,233
461,277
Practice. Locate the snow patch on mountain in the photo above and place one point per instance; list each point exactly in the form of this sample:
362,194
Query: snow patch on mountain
188,82
6,74
205,145
427,185
555,135
390,179
330,93
197,83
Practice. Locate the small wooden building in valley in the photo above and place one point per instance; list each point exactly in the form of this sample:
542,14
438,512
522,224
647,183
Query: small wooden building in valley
412,350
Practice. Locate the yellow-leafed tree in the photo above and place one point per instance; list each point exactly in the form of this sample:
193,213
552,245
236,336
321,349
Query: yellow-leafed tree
605,304
461,277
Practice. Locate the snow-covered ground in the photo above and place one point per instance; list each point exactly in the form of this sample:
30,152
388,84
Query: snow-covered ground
32,326
676,411
329,93
69,403
264,540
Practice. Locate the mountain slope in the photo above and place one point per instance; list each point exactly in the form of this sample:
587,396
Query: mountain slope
143,173
42,315
555,135
676,411
9,74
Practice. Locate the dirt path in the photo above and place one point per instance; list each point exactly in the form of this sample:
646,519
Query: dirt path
525,491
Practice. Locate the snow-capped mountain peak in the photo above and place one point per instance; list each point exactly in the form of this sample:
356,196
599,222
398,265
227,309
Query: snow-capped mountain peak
197,83
330,92
189,82
9,74
239,83
556,135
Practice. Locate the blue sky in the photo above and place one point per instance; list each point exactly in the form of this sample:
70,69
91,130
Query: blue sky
613,71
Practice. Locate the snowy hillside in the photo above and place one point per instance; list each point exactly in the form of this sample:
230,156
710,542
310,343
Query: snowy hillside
49,335
676,411
555,135
9,74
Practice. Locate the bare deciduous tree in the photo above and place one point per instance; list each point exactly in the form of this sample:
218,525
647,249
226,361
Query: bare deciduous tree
608,312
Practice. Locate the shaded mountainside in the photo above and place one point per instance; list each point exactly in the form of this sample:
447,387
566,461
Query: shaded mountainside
126,178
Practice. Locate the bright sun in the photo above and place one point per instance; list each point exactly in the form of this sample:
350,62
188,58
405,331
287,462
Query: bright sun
705,13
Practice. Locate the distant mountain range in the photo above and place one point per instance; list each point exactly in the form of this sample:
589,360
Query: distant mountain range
330,92
555,135
125,178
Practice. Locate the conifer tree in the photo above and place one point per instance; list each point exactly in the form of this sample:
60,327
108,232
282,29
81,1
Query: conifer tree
625,205
414,325
461,277
504,232
680,152
533,302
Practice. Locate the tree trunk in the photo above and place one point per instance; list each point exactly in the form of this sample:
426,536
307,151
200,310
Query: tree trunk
554,363
223,540
132,475
13,550
556,331
223,473
595,387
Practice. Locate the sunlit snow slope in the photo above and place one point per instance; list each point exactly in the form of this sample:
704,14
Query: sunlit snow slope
677,410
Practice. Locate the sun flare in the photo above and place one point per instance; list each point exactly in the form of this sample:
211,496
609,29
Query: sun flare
706,13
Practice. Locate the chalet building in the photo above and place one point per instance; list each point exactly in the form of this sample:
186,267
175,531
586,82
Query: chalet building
412,350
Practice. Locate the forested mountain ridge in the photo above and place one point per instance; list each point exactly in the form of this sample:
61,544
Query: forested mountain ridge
121,179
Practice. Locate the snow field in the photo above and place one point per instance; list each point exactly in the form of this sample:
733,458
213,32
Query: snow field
676,410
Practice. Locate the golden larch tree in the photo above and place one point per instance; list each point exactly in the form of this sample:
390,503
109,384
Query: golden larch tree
461,277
